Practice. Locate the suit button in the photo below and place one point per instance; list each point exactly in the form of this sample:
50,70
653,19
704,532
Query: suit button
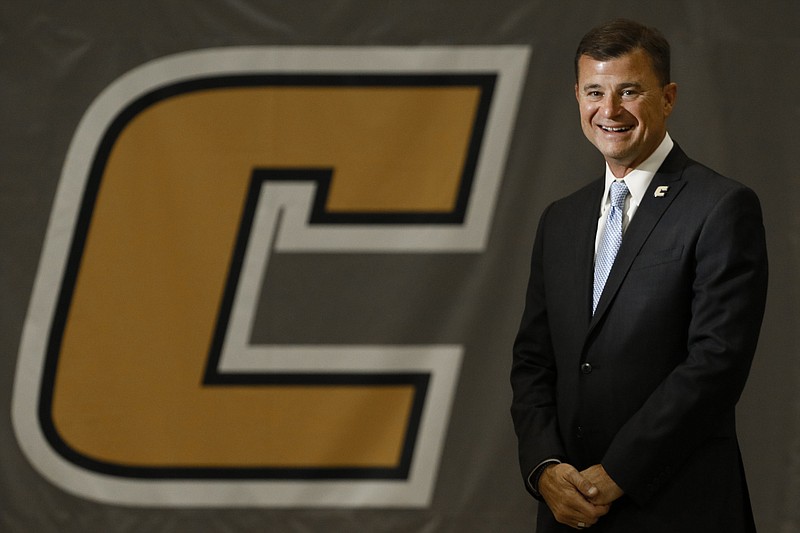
586,368
579,432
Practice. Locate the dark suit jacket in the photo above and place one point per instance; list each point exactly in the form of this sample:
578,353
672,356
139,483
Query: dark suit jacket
647,386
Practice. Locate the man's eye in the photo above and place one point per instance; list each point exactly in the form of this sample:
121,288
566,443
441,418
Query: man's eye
594,94
629,93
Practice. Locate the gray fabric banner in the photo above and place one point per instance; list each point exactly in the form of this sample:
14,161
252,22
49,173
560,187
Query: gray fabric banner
360,300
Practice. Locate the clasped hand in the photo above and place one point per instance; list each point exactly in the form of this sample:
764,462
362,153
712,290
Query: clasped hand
578,499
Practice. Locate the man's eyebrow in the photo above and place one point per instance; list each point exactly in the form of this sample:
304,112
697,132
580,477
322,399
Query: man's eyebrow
625,85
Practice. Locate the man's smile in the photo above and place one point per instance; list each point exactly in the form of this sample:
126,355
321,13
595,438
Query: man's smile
619,129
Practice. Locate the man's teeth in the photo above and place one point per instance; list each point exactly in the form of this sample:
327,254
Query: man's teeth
615,130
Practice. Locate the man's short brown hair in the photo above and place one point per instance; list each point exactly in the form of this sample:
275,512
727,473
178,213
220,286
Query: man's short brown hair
621,36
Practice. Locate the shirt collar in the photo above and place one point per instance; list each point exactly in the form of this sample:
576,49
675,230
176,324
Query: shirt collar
638,180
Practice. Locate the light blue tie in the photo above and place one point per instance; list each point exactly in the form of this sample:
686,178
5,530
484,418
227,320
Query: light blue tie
610,241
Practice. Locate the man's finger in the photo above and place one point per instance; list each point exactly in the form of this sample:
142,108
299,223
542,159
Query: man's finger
583,485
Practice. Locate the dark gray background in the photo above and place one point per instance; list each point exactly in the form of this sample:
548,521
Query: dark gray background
736,64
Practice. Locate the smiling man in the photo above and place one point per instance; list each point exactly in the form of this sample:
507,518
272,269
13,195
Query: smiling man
624,107
643,310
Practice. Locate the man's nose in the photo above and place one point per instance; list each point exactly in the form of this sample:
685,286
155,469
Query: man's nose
610,105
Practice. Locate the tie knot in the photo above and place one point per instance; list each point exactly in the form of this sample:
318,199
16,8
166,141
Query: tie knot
619,190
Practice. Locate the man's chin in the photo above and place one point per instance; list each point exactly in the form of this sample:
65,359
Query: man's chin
617,155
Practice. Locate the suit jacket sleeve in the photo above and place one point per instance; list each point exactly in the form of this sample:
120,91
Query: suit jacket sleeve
533,375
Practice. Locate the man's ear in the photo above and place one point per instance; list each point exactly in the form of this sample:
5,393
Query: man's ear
670,95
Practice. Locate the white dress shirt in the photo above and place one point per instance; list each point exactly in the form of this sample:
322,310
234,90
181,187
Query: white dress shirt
637,180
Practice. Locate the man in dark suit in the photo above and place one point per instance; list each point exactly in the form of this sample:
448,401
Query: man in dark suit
631,357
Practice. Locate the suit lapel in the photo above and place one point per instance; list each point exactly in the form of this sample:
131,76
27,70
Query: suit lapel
647,216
